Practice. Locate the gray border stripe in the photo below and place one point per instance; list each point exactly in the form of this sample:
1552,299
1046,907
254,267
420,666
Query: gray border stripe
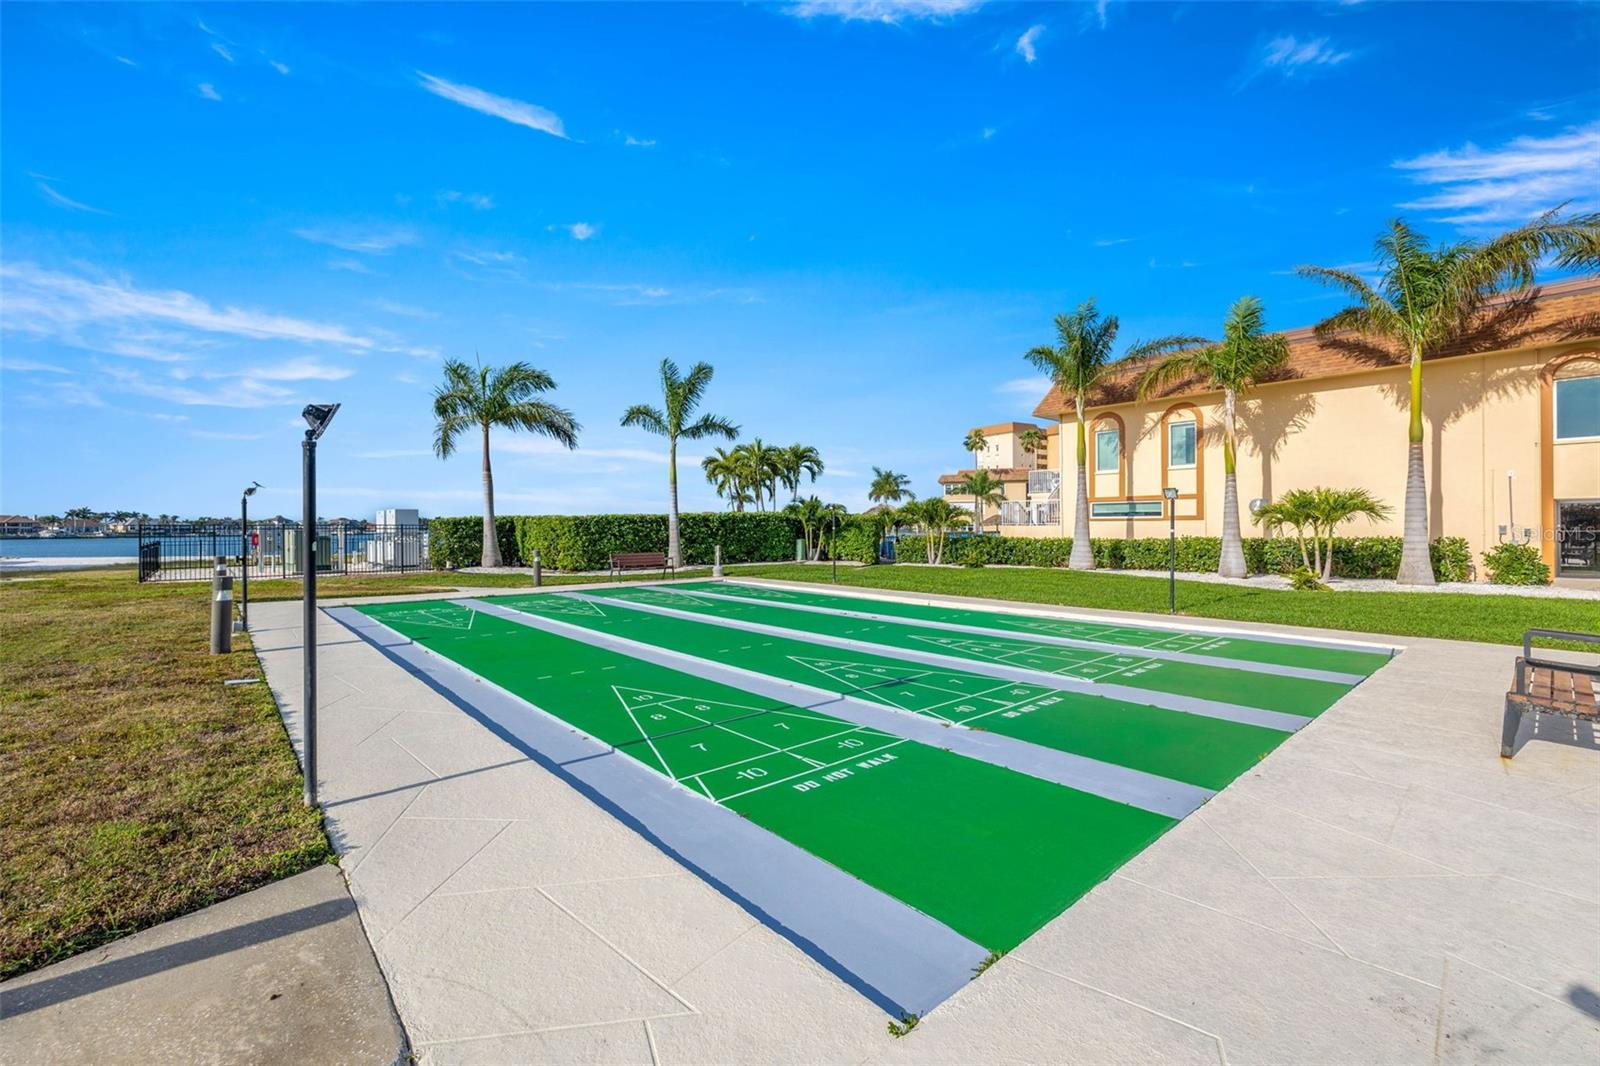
901,959
1044,638
1025,609
1151,792
1287,723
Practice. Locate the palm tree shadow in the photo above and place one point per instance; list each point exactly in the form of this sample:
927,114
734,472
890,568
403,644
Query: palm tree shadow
1267,427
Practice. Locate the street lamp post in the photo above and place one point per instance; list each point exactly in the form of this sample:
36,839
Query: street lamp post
1172,549
833,548
244,555
317,416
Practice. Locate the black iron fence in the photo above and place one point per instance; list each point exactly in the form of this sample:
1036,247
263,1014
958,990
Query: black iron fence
188,551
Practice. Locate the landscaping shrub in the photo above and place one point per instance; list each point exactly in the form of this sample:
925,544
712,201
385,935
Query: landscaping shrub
1516,564
457,542
857,540
1355,557
584,542
1302,579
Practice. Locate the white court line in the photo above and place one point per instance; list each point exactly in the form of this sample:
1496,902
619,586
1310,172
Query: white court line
826,766
666,767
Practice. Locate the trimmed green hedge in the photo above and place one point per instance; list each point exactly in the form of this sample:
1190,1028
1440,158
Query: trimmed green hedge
1360,557
584,542
457,542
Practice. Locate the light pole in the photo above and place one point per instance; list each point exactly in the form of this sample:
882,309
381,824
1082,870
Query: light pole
1172,549
833,548
244,555
317,416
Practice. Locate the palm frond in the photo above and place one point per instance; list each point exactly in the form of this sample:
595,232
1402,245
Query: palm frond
647,418
544,419
709,426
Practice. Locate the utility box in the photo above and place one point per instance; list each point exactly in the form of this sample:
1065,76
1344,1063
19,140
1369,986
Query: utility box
398,516
396,543
291,553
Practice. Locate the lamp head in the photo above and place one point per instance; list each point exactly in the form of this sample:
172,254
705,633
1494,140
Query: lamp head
1170,493
251,491
317,416
1257,503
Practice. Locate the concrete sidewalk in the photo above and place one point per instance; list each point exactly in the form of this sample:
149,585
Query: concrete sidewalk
282,974
1383,887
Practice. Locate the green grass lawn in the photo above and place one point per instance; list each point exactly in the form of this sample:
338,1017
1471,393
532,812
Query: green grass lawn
134,786
1448,615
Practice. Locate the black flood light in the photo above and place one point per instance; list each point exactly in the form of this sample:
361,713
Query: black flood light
317,416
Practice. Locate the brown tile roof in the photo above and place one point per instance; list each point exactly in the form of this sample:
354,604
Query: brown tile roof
1006,427
1004,473
1550,314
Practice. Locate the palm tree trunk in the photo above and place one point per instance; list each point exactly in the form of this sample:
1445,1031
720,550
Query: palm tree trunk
1082,552
1416,568
1232,563
491,542
673,552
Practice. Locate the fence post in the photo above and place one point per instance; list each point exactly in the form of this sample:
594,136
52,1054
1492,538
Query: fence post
538,569
716,562
221,609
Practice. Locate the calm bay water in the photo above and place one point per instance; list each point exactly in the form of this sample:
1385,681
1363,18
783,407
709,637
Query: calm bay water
69,547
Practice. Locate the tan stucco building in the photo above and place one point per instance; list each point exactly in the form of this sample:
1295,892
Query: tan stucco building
1512,421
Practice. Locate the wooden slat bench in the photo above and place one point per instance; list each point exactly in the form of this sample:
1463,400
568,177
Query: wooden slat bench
623,561
1548,687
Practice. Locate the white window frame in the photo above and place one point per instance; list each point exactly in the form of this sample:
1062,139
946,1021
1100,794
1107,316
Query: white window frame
1555,411
1192,463
1115,432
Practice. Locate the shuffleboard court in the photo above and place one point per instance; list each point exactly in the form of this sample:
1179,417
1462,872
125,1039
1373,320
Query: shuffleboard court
1183,747
991,853
1250,649
1232,684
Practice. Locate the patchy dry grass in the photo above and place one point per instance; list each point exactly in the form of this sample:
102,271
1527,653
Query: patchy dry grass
134,786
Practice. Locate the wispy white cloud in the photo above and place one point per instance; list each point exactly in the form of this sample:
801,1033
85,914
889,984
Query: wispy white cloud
354,266
989,132
52,303
125,61
1292,57
281,68
61,200
885,11
638,142
487,257
476,200
1510,183
241,393
209,91
1107,242
213,434
1100,9
581,231
376,242
222,50
29,366
302,369
517,112
404,310
1026,44
1035,386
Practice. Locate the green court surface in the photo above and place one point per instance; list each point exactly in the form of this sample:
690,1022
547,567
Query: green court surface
992,853
1182,747
1221,646
1221,683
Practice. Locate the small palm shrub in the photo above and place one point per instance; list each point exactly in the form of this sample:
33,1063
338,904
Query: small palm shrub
1301,579
1516,564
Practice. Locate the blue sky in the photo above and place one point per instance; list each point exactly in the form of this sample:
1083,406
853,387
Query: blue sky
861,213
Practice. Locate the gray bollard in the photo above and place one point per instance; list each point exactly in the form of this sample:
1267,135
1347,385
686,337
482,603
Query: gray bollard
716,562
221,609
538,569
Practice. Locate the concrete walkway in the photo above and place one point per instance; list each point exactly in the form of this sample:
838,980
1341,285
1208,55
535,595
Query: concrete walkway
1382,888
282,974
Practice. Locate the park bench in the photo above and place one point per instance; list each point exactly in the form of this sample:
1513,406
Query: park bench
622,561
1548,687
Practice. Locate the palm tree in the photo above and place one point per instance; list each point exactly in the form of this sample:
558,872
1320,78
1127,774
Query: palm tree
1295,508
811,514
889,487
985,490
1427,296
764,469
974,442
1034,442
1330,508
483,396
1246,355
724,471
937,516
681,394
796,461
1076,366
